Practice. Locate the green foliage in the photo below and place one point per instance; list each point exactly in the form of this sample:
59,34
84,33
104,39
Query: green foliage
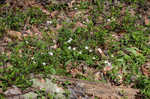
17,20
36,15
2,27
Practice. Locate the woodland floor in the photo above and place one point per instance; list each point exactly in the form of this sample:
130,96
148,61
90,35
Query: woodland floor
92,49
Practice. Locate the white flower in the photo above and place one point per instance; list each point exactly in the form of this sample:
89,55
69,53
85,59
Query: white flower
32,58
46,28
86,47
27,42
120,76
113,19
44,63
75,8
83,22
54,41
108,20
34,62
69,47
50,53
80,52
108,63
70,39
90,50
42,53
112,55
100,51
74,48
94,58
49,22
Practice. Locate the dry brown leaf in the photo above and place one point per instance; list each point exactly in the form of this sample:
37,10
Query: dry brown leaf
79,24
101,52
108,27
53,30
20,53
132,12
43,9
71,3
122,12
99,19
74,72
9,64
71,14
54,46
58,26
42,80
97,76
29,2
107,68
28,33
7,39
8,53
2,49
147,21
35,29
54,14
1,91
145,68
14,34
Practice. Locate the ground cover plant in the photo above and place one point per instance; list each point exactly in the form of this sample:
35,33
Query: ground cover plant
64,38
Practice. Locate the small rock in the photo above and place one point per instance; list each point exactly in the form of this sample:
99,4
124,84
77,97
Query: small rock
49,87
13,97
12,91
30,95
